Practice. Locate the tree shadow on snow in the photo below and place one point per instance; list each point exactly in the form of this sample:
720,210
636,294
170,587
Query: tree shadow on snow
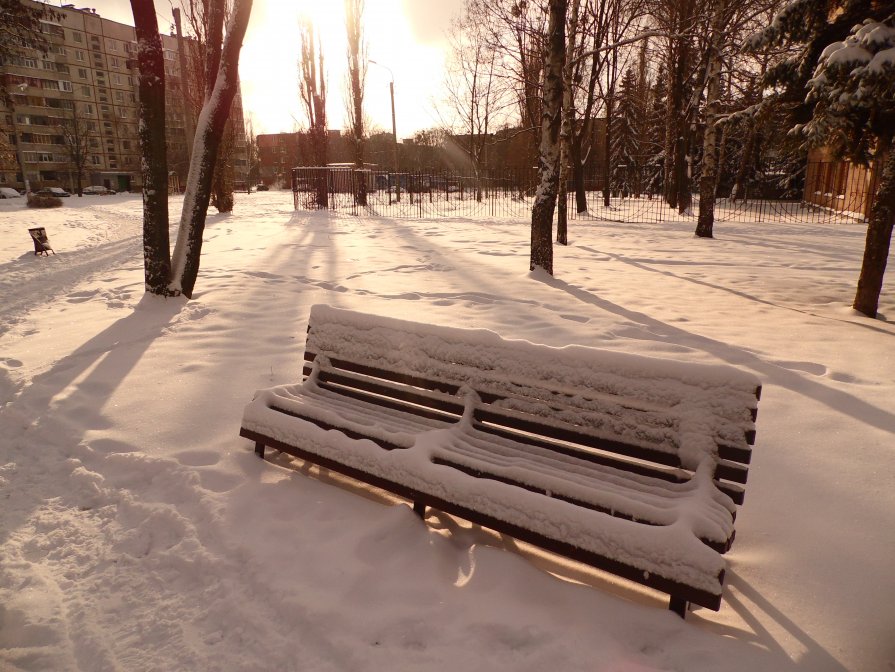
67,400
769,372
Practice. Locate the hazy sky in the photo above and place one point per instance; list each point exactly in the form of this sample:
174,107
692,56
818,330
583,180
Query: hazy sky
407,36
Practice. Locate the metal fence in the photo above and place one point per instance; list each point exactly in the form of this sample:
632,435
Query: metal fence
510,194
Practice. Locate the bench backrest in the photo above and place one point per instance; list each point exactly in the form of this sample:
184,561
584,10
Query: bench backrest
641,414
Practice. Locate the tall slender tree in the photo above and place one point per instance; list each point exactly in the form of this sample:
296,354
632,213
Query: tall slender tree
720,17
222,83
151,111
565,129
357,75
548,150
76,139
177,274
312,87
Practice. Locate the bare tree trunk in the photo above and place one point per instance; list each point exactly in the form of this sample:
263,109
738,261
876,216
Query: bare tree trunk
722,156
150,57
565,131
578,178
548,155
610,114
209,131
677,129
672,109
879,237
738,191
706,220
357,71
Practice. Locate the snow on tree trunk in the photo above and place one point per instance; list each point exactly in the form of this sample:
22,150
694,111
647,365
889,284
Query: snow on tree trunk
154,163
879,237
548,153
209,131
565,131
706,219
578,178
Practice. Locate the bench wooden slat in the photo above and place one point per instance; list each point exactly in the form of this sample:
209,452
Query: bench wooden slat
651,580
736,493
720,546
491,413
726,470
727,451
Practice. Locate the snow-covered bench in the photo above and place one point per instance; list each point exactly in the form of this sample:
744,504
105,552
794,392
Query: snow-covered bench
630,464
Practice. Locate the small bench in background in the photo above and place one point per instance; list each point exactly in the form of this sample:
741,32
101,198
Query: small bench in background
41,242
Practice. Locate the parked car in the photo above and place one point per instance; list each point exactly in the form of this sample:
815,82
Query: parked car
9,192
58,192
262,187
98,190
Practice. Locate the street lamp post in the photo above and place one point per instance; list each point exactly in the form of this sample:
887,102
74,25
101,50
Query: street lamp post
19,156
391,90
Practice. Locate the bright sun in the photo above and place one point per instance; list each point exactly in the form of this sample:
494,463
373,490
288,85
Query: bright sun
268,66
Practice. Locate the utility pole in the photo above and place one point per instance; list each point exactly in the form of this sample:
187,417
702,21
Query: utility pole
187,108
391,90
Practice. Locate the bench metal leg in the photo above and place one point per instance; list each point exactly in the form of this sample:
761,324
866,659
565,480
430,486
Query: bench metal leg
678,605
259,449
419,509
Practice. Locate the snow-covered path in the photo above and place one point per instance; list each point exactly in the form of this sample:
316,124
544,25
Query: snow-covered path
138,532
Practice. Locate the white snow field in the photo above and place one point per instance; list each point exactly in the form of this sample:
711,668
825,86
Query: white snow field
139,532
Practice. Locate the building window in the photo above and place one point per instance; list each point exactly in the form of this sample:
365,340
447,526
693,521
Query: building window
82,73
78,37
116,63
50,85
85,90
88,109
65,86
116,79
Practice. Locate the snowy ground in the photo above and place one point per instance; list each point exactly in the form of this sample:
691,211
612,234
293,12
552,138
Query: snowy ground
139,532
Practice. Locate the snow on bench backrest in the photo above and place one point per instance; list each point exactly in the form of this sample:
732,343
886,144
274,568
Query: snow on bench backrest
660,404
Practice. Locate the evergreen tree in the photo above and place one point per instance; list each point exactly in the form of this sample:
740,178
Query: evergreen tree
654,146
626,151
843,68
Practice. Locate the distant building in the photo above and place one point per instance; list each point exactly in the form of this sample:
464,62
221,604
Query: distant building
279,153
840,185
91,70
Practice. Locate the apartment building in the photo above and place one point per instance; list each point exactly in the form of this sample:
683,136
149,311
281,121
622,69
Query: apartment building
90,75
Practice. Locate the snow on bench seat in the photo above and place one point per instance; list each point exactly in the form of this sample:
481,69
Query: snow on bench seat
612,459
